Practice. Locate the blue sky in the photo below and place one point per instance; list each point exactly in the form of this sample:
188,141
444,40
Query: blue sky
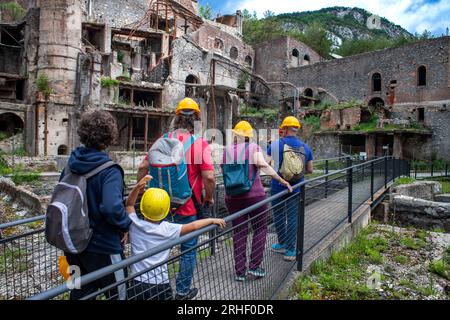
413,15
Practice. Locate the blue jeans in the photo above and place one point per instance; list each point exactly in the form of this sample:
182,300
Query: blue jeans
187,260
285,214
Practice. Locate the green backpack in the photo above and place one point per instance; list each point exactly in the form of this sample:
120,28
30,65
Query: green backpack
293,166
236,175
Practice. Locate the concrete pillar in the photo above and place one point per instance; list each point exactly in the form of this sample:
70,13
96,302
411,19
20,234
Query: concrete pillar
398,146
165,45
106,45
370,146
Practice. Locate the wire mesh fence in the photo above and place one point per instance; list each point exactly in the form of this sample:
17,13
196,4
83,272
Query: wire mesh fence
250,259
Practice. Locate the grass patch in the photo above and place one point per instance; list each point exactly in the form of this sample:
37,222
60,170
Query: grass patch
203,254
441,267
108,82
401,259
404,180
13,260
313,122
413,244
21,175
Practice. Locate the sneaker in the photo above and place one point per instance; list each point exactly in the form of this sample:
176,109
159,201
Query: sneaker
258,272
290,255
279,248
241,278
188,296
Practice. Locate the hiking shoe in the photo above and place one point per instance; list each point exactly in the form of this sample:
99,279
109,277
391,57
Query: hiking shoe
241,278
279,248
188,296
290,255
258,272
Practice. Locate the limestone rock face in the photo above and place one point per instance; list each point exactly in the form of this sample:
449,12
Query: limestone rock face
425,190
439,210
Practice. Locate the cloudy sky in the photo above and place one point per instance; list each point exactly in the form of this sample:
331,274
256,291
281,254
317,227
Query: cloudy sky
413,15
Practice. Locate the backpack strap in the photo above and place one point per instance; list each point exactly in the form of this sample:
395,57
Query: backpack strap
190,143
99,169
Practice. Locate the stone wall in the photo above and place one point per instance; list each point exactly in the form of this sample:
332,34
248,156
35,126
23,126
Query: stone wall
350,78
117,13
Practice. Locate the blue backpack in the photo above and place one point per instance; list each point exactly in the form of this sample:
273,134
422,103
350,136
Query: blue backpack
236,174
169,170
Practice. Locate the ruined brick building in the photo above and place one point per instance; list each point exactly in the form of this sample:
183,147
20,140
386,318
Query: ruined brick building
138,58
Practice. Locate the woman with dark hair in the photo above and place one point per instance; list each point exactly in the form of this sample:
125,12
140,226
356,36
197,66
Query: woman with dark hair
242,151
107,215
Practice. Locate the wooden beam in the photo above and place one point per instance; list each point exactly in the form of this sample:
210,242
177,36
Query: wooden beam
146,132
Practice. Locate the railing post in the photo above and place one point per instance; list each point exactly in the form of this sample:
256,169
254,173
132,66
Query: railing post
301,229
385,172
371,180
326,178
446,169
350,193
393,169
432,168
415,171
212,234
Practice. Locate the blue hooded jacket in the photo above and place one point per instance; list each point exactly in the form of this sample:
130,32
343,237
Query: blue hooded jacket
107,214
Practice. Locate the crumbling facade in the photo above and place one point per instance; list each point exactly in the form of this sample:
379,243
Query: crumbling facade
135,59
407,89
138,58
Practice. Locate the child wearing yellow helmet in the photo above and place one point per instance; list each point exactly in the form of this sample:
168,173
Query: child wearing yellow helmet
149,234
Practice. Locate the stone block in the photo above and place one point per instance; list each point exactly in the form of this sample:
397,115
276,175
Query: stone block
425,190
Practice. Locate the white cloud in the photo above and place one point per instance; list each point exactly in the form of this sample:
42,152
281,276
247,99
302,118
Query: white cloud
413,15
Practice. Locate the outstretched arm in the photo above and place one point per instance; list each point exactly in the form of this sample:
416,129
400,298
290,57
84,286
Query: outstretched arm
261,163
196,225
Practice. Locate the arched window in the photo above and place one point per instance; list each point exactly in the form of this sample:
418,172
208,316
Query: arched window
10,124
422,76
190,89
376,102
307,59
63,150
308,92
218,44
249,61
234,53
295,59
376,82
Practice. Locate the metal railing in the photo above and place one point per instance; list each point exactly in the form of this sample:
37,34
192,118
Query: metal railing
29,268
430,169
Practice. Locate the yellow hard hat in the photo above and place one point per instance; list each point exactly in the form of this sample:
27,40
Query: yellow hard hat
243,129
63,267
187,104
155,204
290,122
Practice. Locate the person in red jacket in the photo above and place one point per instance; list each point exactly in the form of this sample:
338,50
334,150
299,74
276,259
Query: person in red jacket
201,177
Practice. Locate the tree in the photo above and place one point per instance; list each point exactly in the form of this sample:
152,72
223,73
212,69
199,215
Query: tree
206,11
316,37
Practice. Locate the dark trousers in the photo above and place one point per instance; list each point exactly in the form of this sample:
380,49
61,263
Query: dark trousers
146,291
258,221
88,262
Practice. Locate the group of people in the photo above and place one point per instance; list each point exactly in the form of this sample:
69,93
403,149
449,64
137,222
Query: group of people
114,222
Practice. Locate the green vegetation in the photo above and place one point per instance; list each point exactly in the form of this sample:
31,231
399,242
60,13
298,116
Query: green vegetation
267,113
203,254
242,81
43,85
342,275
120,56
313,122
441,267
404,180
401,259
314,29
206,12
14,9
316,37
368,126
20,174
13,258
413,244
108,82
